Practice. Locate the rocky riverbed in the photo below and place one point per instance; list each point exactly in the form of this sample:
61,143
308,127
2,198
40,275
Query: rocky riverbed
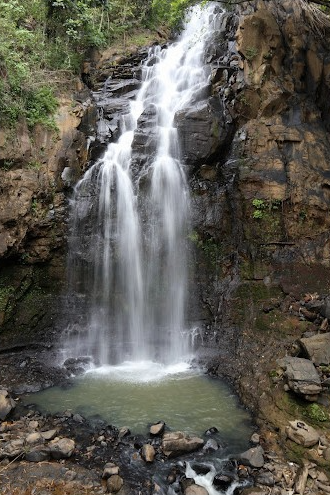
67,454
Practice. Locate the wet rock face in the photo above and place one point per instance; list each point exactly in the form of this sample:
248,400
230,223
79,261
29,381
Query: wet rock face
202,131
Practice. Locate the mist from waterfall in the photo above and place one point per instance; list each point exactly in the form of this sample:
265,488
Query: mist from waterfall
128,258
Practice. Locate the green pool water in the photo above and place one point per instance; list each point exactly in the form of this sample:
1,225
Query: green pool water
138,394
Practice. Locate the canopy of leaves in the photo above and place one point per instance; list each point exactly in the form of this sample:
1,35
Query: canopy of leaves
40,39
169,11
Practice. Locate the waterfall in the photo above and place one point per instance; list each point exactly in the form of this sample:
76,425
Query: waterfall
128,254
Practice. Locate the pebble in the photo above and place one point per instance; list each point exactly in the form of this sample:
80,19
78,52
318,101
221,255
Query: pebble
114,483
255,438
110,469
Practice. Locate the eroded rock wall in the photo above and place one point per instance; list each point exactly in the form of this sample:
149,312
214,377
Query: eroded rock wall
37,170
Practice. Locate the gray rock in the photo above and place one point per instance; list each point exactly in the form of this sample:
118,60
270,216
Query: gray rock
265,478
49,435
318,348
322,477
38,453
302,434
114,483
110,469
6,404
124,432
177,443
61,449
78,418
70,475
303,379
148,453
211,445
12,449
253,457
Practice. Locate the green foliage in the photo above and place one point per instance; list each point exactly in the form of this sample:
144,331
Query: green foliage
34,205
259,205
39,105
86,23
24,93
170,12
316,413
39,38
263,207
42,39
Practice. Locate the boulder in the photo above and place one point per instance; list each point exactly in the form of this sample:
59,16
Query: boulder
253,457
317,348
148,453
12,449
303,379
265,478
61,449
157,429
38,453
110,469
302,434
211,445
114,483
222,481
6,404
177,443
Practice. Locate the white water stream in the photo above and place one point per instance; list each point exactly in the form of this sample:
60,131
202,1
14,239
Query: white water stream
128,247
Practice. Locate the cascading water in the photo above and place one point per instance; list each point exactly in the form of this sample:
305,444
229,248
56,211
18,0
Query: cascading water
128,255
128,273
